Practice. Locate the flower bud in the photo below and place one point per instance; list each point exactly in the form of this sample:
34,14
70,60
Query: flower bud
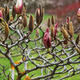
47,39
78,50
37,32
67,22
13,12
42,14
6,30
7,13
78,39
52,19
71,29
19,7
11,18
1,20
24,10
47,30
3,12
48,22
78,15
55,30
65,34
66,42
52,31
39,14
1,15
31,23
24,20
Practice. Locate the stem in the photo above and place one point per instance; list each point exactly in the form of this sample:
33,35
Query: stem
12,74
25,67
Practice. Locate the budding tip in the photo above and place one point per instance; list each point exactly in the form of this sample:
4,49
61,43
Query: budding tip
1,15
56,25
47,30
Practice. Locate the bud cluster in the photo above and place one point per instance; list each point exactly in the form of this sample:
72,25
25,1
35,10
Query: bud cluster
31,42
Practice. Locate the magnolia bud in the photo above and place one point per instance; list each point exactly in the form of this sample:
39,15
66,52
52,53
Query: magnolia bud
78,39
52,31
71,29
24,10
78,15
37,32
47,39
7,13
42,14
65,34
40,7
6,30
66,42
11,18
39,14
3,12
24,21
78,50
1,15
52,19
1,19
48,22
31,23
19,6
55,30
13,12
47,30
67,22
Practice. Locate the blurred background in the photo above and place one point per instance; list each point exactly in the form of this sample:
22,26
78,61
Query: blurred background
60,8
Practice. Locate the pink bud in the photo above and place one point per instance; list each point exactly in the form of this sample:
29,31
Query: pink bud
37,31
78,15
1,15
47,30
78,11
68,20
18,7
47,39
55,30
